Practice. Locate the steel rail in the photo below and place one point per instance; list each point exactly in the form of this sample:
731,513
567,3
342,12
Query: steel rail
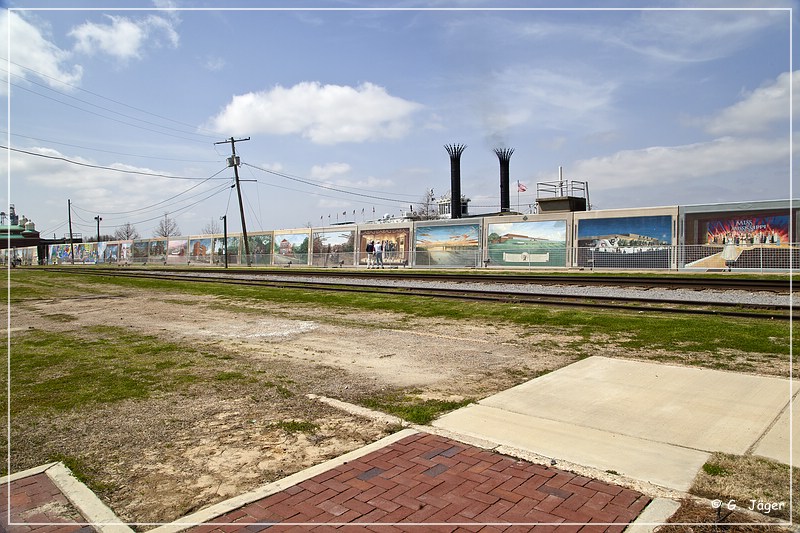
758,311
691,282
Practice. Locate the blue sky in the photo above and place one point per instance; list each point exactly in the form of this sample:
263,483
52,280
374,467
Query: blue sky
348,110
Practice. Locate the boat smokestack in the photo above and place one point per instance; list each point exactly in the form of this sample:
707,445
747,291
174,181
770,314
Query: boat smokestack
504,155
455,150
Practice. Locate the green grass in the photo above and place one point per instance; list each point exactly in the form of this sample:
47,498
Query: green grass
715,469
295,426
635,331
71,370
411,408
82,472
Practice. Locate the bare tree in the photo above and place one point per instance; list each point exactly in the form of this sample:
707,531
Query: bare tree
126,233
428,209
167,227
212,228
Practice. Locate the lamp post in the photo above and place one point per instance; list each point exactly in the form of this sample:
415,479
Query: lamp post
224,219
98,218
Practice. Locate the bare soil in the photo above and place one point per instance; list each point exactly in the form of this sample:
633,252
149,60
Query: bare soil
157,459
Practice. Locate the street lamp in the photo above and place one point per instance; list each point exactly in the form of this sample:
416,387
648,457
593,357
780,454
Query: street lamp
98,218
224,219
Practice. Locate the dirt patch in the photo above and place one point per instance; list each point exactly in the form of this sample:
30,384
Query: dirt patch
159,458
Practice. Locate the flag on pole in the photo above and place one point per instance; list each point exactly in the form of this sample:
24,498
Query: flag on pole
521,187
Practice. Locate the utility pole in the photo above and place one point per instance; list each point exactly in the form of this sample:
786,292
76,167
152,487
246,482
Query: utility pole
233,161
225,237
69,218
98,218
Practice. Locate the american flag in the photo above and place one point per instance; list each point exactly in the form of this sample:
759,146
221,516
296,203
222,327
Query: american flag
521,187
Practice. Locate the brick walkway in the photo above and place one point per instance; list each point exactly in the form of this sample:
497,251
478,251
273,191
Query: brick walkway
429,479
35,499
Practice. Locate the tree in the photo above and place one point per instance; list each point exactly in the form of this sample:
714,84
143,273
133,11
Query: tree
126,233
428,209
212,228
167,227
103,238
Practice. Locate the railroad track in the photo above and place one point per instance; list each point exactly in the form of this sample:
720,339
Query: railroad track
658,305
690,282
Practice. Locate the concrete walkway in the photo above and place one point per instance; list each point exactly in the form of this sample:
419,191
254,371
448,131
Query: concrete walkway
648,421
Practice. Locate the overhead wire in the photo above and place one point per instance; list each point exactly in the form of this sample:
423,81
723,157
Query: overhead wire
108,151
211,134
323,186
101,167
107,117
147,208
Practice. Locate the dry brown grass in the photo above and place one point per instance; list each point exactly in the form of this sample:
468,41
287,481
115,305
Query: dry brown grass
747,478
697,517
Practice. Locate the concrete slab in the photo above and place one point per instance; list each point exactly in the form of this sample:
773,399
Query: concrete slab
663,464
775,444
648,421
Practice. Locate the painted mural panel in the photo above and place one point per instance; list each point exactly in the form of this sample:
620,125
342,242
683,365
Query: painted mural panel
85,252
457,245
396,245
528,244
200,250
125,252
749,231
333,248
260,249
218,245
157,251
177,251
141,249
108,252
290,248
59,254
625,242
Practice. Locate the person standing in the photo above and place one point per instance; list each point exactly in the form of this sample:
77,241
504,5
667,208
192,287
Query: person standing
379,254
370,251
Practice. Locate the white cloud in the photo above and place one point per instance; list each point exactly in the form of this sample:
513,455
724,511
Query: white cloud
547,98
329,170
681,36
759,110
123,38
325,114
214,63
31,49
674,165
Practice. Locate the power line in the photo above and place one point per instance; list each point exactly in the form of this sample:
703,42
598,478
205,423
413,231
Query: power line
107,117
326,187
149,207
108,151
141,173
211,134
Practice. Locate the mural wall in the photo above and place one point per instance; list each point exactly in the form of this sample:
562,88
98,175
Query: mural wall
260,248
333,248
749,231
457,245
625,242
200,250
528,244
396,243
290,248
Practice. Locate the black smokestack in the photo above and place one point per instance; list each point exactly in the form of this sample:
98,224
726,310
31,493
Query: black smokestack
455,178
504,155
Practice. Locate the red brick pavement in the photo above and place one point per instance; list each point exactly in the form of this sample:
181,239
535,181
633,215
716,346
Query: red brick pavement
425,479
35,499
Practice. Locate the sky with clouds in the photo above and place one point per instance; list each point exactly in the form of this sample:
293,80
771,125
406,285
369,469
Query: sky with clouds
348,109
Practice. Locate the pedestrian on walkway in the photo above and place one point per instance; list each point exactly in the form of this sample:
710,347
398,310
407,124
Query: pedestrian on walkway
370,254
379,254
